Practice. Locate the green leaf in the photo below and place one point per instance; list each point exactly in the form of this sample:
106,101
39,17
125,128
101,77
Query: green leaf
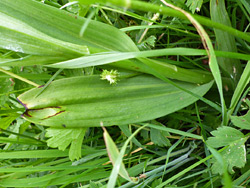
6,121
113,153
223,136
242,122
21,37
66,26
242,84
235,153
225,41
194,5
234,156
158,137
221,162
62,138
150,41
6,85
86,101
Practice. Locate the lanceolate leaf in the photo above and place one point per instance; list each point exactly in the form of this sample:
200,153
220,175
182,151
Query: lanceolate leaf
86,101
225,41
53,35
20,37
65,26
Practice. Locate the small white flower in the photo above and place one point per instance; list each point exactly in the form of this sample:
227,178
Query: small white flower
111,76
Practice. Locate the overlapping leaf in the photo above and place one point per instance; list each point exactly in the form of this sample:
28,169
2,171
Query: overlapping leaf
242,122
235,153
62,138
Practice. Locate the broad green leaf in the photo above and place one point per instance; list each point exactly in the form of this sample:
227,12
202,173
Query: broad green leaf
20,37
168,70
88,100
66,26
223,136
64,30
62,138
242,122
234,156
235,153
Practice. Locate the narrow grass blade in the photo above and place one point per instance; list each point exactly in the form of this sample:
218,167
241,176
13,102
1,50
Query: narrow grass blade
226,177
242,84
167,129
225,41
19,77
186,170
118,161
211,55
246,5
110,57
113,153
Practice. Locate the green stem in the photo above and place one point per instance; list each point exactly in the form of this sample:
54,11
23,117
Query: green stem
143,6
19,77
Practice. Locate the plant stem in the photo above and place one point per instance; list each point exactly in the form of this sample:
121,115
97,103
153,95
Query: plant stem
19,77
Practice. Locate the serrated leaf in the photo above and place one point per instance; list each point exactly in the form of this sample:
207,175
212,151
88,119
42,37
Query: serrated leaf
235,154
150,41
223,136
6,121
194,5
242,122
62,138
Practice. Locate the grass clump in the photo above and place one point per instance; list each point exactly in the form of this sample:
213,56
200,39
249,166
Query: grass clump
124,93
